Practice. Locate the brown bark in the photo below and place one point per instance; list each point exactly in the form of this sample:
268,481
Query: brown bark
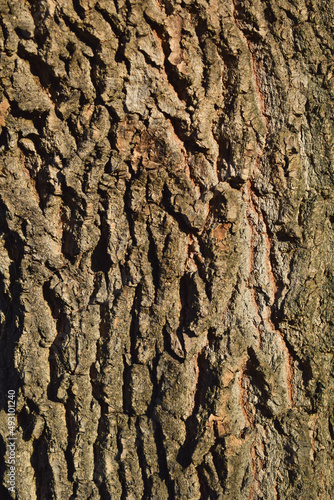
166,253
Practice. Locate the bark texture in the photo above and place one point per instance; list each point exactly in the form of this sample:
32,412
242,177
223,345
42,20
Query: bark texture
167,213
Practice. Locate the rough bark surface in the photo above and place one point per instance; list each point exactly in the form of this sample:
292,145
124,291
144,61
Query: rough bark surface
167,213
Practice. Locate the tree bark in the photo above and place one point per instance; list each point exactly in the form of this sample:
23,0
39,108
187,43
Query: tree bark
167,215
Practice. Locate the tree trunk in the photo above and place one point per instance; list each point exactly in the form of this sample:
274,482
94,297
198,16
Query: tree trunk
167,215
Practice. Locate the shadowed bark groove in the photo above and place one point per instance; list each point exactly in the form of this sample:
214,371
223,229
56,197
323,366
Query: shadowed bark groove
166,248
